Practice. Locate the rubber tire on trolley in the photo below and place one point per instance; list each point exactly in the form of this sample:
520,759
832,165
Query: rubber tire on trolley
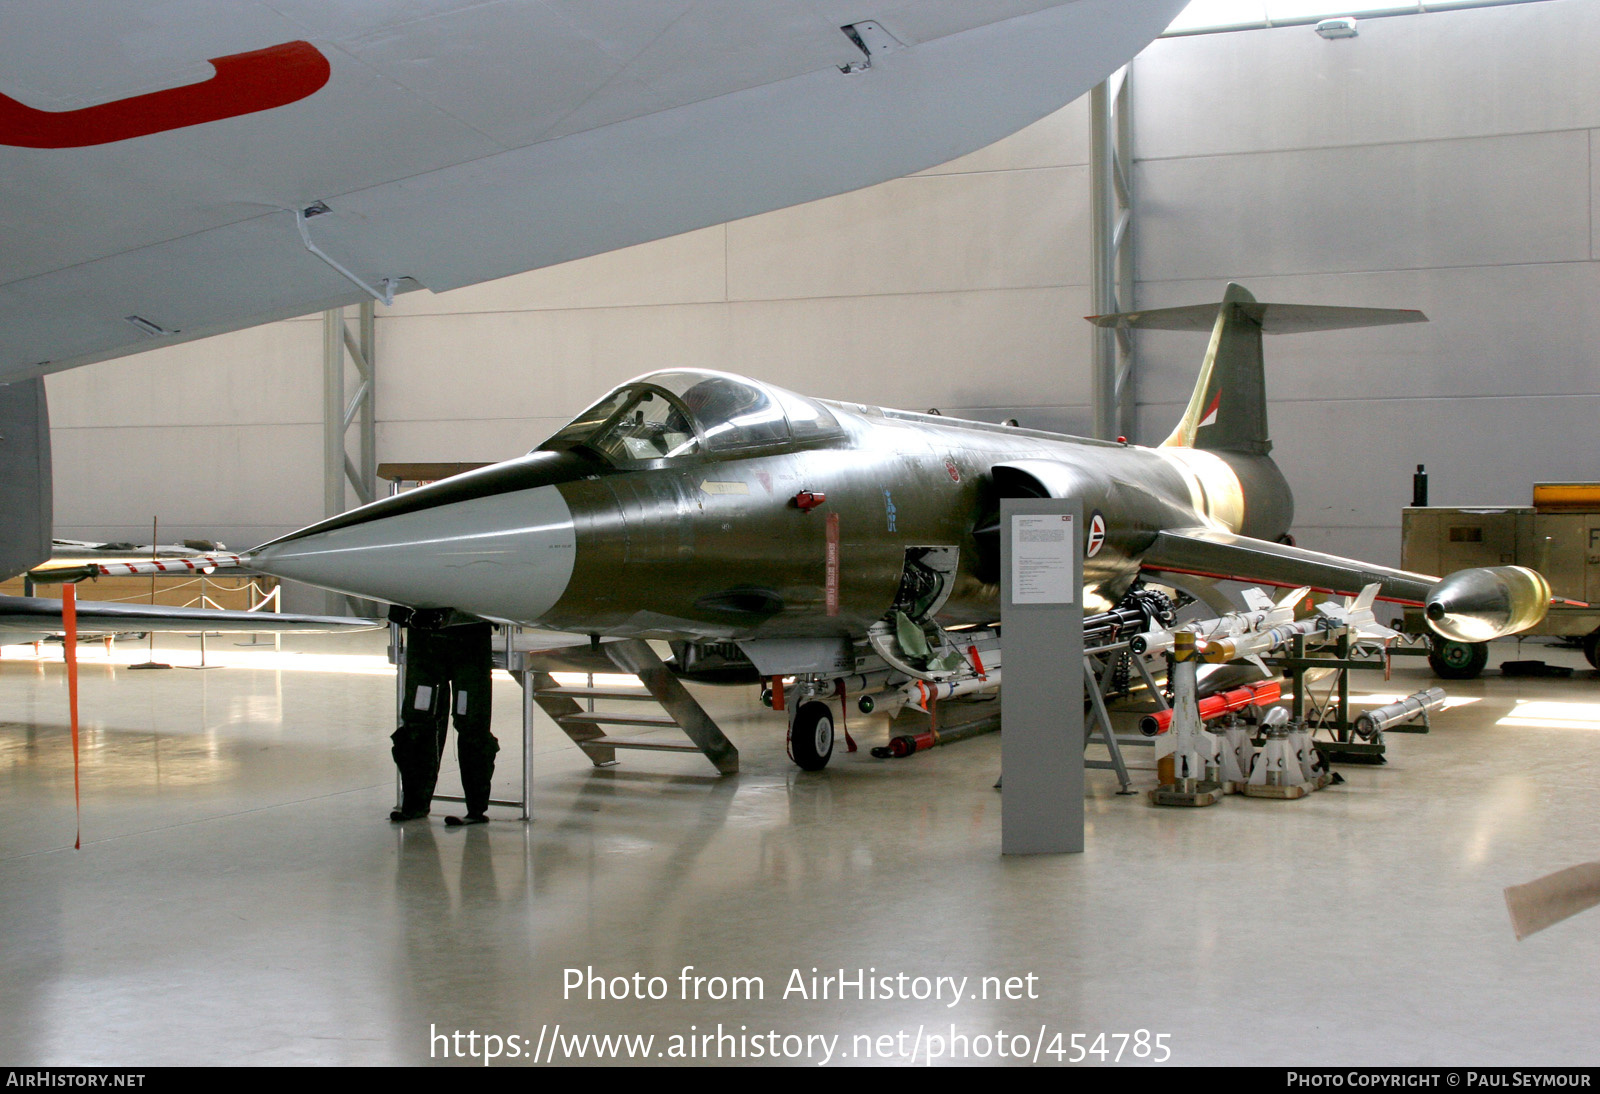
811,736
1456,660
1591,648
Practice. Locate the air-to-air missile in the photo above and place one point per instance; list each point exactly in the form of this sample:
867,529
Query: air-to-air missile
1354,615
704,507
1260,614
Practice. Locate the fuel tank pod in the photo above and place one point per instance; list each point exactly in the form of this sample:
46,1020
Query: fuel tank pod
1489,602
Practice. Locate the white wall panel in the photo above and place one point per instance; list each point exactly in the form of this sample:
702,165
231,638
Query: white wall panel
1486,201
1025,347
264,374
1519,69
930,233
1493,330
525,364
465,440
1351,462
197,478
993,348
219,439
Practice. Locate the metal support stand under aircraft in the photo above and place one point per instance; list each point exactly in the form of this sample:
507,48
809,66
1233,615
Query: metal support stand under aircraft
1100,666
533,659
1111,266
589,714
342,409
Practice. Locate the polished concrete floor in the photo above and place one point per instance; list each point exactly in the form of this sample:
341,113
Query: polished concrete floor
240,896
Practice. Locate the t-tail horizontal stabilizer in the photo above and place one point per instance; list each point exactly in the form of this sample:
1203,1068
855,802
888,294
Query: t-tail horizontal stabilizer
1228,411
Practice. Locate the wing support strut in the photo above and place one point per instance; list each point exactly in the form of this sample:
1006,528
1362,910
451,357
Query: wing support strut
384,294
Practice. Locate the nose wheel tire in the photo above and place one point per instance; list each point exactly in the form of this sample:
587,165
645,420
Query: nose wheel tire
811,736
1457,660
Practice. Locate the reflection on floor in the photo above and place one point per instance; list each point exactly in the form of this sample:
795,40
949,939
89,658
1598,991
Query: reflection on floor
240,896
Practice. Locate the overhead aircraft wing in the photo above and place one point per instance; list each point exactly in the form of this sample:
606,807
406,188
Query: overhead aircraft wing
177,168
40,615
1208,553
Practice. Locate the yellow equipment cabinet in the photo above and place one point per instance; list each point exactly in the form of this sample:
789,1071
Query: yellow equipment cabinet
1558,535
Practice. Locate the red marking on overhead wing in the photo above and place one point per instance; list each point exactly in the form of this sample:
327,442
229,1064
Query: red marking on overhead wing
245,83
1210,416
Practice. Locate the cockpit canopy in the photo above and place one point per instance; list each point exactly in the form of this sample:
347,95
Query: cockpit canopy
686,412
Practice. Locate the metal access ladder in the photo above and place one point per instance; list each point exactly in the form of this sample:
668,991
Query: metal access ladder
1099,664
601,720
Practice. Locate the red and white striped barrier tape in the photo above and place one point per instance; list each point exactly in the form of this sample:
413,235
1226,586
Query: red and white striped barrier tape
198,564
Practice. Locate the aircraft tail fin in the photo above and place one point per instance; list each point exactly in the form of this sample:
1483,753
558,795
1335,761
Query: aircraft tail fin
1228,411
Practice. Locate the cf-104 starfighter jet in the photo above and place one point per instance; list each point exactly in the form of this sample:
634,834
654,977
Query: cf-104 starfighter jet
706,508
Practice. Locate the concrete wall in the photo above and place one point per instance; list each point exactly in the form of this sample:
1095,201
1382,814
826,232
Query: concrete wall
1445,162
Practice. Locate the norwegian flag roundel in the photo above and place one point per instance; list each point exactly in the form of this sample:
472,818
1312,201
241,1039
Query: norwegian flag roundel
1097,534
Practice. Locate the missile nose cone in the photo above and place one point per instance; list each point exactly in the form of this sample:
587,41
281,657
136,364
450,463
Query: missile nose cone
503,556
1489,602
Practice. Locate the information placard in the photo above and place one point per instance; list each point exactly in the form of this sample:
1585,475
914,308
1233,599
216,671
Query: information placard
1041,756
1042,548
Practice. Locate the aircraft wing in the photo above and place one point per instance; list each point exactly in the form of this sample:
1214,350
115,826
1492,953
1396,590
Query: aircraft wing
1205,552
178,168
39,615
58,570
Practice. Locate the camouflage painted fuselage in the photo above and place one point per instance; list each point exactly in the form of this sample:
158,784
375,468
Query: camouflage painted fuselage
719,548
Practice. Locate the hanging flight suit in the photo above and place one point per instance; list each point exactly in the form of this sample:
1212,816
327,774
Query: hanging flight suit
447,670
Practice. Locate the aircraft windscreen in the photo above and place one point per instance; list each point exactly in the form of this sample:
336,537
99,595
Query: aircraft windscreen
734,414
651,426
634,423
672,413
585,425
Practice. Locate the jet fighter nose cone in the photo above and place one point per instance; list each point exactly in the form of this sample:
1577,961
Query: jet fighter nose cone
1489,602
503,556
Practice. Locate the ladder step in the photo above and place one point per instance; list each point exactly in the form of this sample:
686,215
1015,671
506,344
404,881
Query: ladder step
597,693
601,718
639,742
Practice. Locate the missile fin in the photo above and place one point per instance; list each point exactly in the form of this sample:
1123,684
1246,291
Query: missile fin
1293,598
1257,600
